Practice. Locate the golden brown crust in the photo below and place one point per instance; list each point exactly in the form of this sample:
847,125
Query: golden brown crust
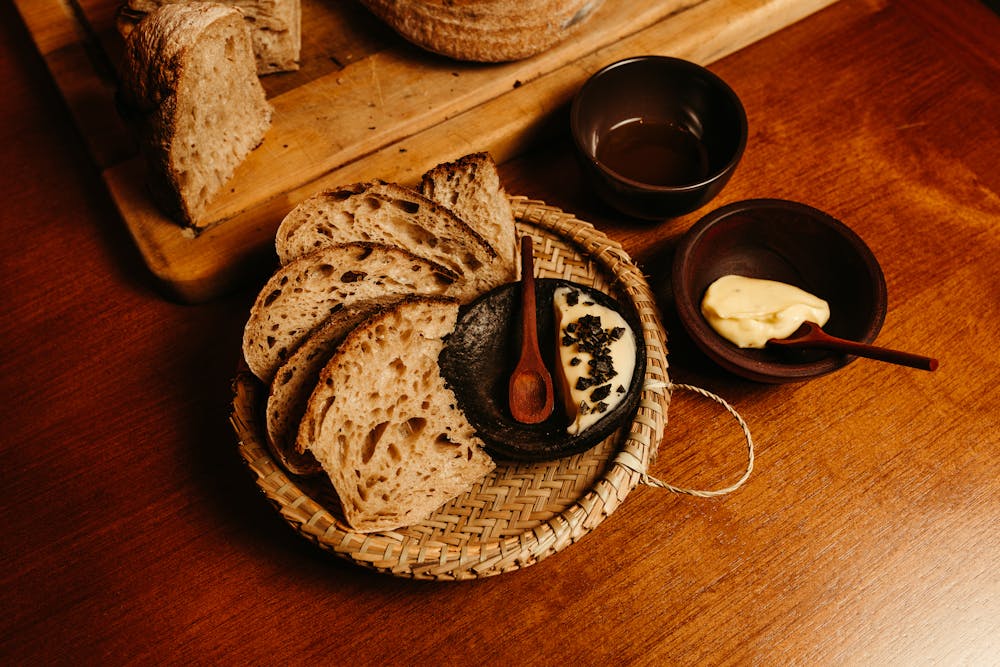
391,213
303,293
470,187
484,30
275,28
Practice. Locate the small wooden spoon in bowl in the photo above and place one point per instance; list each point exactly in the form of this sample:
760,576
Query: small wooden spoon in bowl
530,390
811,335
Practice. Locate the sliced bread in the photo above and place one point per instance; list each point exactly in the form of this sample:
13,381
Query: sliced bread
189,89
470,187
302,294
384,425
275,28
389,213
297,376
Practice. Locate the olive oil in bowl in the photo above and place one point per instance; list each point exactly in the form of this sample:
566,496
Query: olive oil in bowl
659,153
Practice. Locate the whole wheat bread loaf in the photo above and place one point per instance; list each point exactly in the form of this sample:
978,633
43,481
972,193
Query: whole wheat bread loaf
302,294
275,28
384,425
297,376
470,187
389,213
484,30
189,88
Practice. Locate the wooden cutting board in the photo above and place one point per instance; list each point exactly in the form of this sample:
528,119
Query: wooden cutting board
365,104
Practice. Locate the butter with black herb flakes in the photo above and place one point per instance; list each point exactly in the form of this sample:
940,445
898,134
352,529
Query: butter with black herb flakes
595,360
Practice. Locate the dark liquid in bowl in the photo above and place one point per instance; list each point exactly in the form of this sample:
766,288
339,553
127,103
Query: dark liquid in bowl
654,152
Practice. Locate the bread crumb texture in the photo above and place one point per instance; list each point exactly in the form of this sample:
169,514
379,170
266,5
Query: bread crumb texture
190,84
384,425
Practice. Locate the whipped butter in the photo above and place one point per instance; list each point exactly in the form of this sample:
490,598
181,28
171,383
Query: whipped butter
750,311
596,357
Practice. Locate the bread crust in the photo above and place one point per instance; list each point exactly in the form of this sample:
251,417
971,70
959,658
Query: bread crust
470,187
389,213
484,30
302,294
275,28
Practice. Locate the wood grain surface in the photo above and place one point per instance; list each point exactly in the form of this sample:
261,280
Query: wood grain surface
363,98
868,534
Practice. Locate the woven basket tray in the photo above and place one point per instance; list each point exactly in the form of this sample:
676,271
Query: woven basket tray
521,512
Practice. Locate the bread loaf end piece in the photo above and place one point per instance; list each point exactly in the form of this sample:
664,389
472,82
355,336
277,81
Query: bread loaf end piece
189,89
385,426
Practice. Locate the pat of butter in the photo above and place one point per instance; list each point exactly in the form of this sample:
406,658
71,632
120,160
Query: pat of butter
596,357
750,311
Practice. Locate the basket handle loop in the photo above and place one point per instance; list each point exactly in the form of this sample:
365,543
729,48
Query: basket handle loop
652,481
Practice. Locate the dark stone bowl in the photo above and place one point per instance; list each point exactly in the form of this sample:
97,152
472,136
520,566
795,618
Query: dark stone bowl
481,353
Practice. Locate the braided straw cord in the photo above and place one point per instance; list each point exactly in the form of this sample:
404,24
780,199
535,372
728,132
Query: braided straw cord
520,513
748,437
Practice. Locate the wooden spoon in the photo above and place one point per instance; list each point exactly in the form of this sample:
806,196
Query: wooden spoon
812,335
530,390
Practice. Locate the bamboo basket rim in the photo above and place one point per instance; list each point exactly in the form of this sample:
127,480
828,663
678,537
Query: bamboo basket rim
523,512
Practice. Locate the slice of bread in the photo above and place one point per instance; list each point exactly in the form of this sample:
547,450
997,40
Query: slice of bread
189,88
384,425
297,376
389,213
470,187
302,294
275,28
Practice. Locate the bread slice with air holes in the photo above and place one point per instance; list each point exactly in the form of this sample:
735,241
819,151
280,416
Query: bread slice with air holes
384,425
389,213
470,187
302,294
189,89
297,376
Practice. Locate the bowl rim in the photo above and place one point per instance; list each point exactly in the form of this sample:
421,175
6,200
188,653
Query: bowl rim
733,359
715,79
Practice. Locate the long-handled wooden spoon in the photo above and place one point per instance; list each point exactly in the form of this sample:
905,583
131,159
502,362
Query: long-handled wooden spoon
530,390
812,335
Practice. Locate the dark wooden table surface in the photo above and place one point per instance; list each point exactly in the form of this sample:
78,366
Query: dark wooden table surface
869,532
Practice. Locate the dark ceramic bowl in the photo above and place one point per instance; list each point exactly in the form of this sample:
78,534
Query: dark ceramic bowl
660,174
791,243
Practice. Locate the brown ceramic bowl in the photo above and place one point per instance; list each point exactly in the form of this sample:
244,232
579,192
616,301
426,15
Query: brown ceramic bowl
791,243
695,134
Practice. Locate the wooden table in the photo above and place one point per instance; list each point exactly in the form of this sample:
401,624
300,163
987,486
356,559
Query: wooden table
869,532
